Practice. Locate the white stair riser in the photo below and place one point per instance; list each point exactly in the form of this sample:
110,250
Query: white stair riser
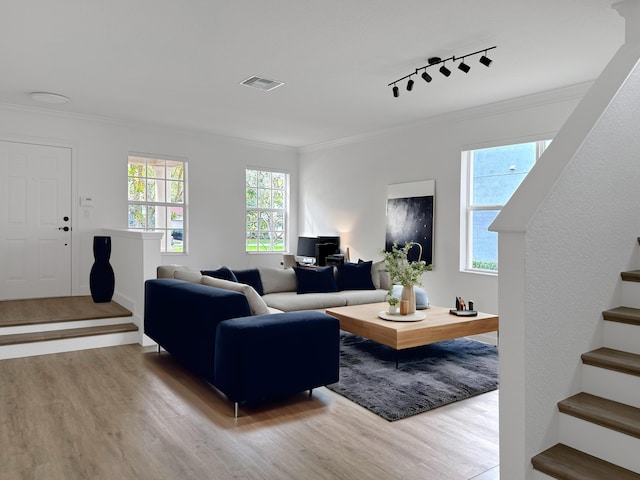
612,385
630,294
621,336
68,345
542,476
601,442
48,327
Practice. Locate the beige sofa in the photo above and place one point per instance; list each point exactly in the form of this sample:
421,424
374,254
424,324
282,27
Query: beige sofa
280,288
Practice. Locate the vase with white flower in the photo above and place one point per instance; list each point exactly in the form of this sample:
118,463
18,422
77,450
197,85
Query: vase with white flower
405,273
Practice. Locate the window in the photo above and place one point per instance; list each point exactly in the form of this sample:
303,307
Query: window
267,210
157,193
489,178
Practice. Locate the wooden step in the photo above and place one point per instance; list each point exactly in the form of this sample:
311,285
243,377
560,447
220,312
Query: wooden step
611,359
65,334
600,411
566,463
631,276
622,315
36,311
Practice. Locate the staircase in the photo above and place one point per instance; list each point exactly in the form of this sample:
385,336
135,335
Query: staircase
599,429
35,333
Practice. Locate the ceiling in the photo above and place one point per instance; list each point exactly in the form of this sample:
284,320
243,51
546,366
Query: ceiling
180,63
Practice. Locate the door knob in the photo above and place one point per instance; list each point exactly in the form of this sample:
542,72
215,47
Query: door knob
66,229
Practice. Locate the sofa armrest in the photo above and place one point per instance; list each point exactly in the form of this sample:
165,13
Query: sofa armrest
267,356
182,318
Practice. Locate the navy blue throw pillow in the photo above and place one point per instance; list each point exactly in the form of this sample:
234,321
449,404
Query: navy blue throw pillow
355,276
251,277
223,273
315,280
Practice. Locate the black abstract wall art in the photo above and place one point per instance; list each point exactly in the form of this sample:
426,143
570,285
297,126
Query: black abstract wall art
410,218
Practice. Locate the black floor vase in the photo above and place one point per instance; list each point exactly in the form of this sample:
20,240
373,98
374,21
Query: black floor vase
102,281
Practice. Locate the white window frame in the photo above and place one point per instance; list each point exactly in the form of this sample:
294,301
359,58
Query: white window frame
162,202
467,208
285,211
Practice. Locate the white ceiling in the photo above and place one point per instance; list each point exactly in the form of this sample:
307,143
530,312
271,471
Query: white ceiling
179,62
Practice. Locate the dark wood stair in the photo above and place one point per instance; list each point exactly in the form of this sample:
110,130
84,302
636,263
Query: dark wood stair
622,315
66,333
611,359
631,276
566,463
606,413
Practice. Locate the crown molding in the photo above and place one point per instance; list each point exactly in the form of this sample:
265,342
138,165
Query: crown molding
160,128
546,97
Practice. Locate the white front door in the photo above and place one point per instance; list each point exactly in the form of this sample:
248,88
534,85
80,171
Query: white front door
35,221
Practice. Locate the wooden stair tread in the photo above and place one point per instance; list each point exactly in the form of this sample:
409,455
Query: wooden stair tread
65,334
623,315
566,463
606,413
611,359
631,276
35,311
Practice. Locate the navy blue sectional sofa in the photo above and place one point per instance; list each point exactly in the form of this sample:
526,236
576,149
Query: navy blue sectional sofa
250,358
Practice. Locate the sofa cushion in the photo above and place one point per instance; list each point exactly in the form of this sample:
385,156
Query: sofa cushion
315,280
187,275
355,276
257,305
422,301
277,280
377,268
167,271
290,301
224,273
359,297
251,277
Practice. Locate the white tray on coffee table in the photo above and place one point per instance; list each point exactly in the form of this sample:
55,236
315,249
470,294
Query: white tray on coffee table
397,317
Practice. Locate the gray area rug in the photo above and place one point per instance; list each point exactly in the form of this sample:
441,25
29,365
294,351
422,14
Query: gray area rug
427,377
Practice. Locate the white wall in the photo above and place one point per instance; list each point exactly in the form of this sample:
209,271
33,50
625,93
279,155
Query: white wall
343,186
216,182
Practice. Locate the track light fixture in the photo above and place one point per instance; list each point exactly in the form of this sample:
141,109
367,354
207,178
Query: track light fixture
484,60
462,66
410,85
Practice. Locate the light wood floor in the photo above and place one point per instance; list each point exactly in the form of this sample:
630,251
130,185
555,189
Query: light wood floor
128,413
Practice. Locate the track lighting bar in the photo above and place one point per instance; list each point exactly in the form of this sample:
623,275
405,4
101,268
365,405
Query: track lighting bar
462,66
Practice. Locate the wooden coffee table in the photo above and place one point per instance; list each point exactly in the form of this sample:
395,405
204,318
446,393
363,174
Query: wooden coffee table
438,325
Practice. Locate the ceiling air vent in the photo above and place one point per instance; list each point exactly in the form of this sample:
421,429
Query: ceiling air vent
261,83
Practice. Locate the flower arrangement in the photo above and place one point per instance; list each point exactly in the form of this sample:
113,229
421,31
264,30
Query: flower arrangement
401,271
